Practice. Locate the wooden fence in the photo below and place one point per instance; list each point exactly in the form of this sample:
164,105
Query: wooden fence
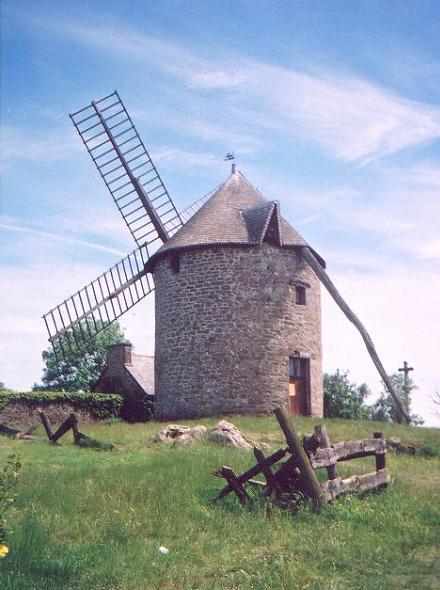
291,470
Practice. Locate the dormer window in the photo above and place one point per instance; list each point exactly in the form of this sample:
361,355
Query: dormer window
300,295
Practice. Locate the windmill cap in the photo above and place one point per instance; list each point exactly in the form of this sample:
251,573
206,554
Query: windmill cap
237,214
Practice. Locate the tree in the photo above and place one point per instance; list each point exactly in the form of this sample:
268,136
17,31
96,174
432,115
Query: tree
384,408
79,368
343,399
3,387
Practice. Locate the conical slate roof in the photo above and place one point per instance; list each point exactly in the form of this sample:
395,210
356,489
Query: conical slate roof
236,214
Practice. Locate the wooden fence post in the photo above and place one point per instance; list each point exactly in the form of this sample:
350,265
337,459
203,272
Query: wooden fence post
308,478
272,484
75,427
321,432
380,460
232,479
46,424
65,427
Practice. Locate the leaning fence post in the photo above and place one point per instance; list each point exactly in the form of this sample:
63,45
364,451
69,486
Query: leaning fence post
75,428
307,475
46,424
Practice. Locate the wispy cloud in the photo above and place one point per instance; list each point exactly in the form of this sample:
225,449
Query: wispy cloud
180,157
204,129
18,144
397,213
53,236
350,118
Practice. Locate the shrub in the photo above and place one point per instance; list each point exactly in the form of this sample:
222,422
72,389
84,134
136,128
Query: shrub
343,399
100,405
384,408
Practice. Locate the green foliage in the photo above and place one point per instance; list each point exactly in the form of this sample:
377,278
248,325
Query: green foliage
100,405
80,368
3,387
343,399
8,480
384,408
87,442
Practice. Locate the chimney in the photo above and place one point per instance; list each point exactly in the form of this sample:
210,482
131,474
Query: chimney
119,354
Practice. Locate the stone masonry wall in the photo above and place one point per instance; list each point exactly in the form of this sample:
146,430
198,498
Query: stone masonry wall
226,324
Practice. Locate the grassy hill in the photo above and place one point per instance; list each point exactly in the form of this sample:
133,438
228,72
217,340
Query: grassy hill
95,520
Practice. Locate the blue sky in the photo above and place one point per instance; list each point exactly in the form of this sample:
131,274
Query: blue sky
332,108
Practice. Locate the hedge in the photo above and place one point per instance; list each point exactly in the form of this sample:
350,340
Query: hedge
100,405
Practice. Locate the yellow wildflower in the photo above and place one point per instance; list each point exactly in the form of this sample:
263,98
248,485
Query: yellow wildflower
3,550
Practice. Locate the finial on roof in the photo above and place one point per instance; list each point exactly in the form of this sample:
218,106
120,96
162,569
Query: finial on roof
231,156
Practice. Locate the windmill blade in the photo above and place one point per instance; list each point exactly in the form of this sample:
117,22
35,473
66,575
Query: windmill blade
94,307
124,164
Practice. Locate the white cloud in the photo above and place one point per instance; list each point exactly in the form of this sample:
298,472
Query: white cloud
53,236
203,128
18,144
180,157
350,118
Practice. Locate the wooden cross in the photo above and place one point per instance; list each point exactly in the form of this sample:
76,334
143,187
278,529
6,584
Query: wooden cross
406,370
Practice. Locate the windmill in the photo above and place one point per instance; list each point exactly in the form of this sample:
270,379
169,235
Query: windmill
213,333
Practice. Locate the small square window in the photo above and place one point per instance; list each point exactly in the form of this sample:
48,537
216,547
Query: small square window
300,295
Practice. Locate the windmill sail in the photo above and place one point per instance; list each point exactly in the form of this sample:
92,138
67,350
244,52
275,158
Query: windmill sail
124,164
186,214
91,309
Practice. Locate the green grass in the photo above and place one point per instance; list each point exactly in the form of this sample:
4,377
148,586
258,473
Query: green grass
87,519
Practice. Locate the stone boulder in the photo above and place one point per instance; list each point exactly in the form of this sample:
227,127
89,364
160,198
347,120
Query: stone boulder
180,435
193,435
171,432
226,434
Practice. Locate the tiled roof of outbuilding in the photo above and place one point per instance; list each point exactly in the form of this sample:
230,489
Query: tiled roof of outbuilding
236,214
142,370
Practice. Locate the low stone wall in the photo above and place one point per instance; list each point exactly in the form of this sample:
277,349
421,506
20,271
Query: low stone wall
22,414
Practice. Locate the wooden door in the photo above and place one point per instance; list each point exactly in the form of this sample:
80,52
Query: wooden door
294,396
299,380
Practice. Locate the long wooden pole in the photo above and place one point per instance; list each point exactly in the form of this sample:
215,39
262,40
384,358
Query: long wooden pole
328,284
308,478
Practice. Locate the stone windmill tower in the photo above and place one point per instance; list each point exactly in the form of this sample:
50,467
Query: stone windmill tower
238,319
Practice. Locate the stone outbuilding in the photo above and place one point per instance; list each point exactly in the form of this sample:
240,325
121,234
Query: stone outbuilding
238,313
132,376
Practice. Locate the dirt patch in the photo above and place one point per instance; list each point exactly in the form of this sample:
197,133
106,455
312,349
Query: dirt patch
21,414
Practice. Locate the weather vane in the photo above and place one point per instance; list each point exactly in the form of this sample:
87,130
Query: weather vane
230,157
